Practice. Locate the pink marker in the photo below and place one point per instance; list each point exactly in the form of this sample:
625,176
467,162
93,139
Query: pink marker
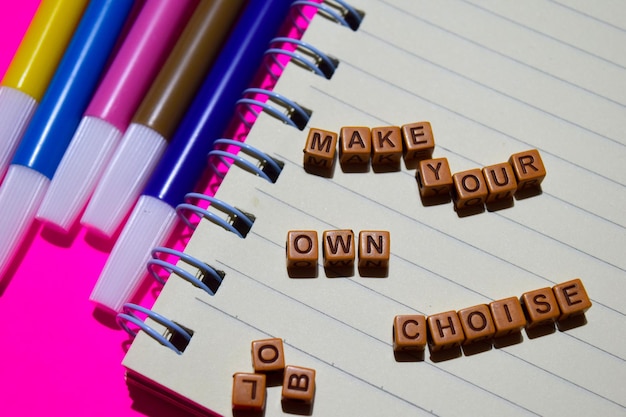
138,61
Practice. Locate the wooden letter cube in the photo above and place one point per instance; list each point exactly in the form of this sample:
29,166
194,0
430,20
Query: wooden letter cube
320,149
248,392
470,189
299,384
528,168
434,177
501,182
355,145
339,248
374,249
507,315
541,307
418,140
572,298
268,355
477,323
409,332
302,249
386,145
445,331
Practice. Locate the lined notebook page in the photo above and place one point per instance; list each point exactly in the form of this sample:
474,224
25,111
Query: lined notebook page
493,78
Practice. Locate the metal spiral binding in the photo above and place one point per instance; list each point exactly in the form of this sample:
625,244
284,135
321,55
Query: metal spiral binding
179,336
267,168
200,280
337,10
295,115
240,223
321,63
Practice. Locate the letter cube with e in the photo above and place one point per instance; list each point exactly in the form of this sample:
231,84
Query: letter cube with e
419,142
572,298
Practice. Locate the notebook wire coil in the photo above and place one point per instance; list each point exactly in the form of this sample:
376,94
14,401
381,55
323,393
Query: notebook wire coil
293,114
240,223
129,315
310,57
266,167
207,278
337,10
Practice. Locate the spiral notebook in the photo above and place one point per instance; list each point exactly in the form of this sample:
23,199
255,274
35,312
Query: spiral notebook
493,79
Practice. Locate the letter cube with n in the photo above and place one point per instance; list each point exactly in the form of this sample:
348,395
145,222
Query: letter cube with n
374,249
320,149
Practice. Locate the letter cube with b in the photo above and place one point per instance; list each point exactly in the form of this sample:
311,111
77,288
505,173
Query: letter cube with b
298,384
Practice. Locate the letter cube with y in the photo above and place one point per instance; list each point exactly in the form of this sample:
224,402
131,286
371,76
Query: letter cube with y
320,149
434,177
339,248
409,332
249,392
355,145
268,355
541,307
419,142
302,249
374,249
572,298
445,331
298,384
508,316
528,168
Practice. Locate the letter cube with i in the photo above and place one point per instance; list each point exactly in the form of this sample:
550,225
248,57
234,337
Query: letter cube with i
320,149
302,249
508,316
298,384
268,355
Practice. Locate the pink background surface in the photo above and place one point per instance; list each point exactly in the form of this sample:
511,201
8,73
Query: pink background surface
58,356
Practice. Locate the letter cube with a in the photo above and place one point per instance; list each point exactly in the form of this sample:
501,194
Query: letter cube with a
355,145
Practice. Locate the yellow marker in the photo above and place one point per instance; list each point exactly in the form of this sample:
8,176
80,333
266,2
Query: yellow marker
32,68
43,45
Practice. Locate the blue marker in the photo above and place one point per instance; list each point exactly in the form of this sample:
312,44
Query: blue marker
55,120
184,161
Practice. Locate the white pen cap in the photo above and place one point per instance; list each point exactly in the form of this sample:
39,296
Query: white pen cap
77,175
124,179
20,196
150,224
16,110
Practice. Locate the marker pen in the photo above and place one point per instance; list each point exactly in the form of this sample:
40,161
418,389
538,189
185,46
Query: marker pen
145,48
32,67
56,119
159,113
154,215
